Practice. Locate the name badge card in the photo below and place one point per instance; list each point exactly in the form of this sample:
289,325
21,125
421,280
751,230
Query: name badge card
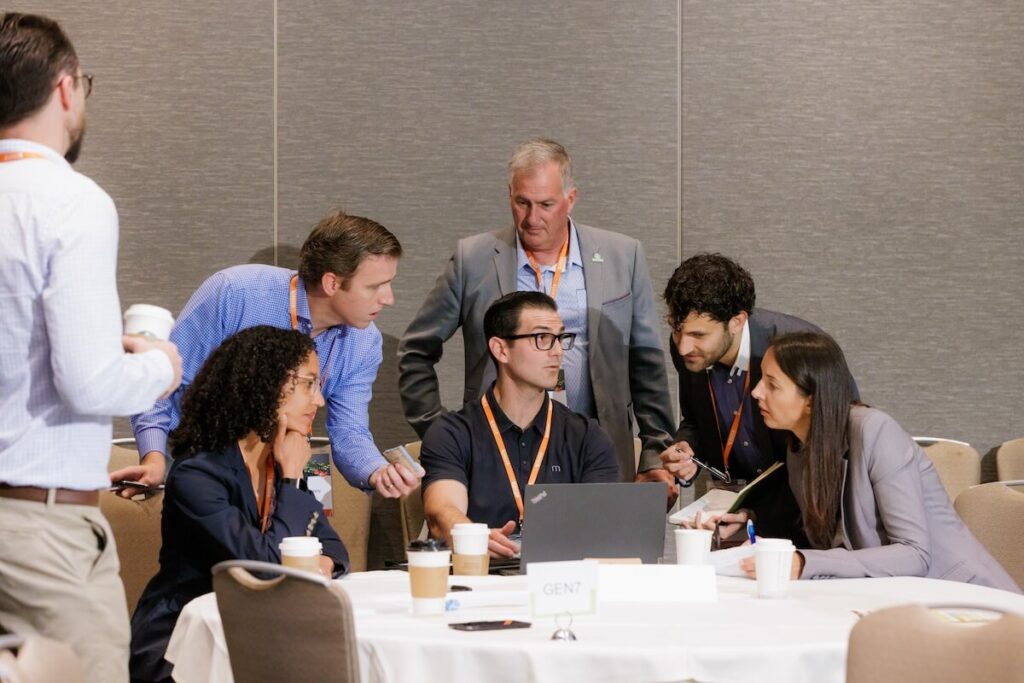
562,587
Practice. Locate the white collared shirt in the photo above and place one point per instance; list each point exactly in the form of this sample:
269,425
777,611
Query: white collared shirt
742,363
63,370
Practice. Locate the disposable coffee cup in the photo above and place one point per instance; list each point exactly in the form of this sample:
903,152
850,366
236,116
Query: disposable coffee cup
469,546
301,552
773,559
428,575
145,320
693,546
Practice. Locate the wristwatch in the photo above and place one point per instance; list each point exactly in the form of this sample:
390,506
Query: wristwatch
299,483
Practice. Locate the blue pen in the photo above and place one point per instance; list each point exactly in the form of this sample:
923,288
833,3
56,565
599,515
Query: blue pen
750,532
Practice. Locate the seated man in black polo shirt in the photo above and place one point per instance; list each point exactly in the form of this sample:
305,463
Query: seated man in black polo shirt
480,459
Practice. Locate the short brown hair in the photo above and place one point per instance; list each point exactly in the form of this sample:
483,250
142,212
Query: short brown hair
339,243
34,52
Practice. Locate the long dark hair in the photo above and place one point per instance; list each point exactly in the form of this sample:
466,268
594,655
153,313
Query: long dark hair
238,389
817,366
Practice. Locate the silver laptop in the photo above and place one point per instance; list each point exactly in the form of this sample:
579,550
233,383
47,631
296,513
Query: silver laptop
577,521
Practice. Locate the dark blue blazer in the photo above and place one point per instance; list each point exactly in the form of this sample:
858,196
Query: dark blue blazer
210,515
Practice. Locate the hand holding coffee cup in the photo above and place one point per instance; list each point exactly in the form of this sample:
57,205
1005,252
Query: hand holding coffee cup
469,544
774,565
428,575
150,321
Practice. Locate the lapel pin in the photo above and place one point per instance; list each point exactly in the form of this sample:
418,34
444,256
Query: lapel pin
597,258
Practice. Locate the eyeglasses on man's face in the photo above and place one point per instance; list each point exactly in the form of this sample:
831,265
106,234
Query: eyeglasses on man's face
88,83
545,341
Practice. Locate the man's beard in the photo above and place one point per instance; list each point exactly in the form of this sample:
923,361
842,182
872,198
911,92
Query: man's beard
76,143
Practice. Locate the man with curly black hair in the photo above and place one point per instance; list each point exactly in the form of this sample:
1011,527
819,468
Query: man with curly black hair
718,341
346,266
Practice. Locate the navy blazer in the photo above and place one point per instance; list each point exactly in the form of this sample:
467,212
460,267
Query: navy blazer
210,515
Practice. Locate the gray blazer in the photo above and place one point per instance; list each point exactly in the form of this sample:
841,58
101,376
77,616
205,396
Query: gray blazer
896,519
627,361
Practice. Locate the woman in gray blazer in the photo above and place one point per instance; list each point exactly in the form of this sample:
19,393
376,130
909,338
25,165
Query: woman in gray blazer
870,499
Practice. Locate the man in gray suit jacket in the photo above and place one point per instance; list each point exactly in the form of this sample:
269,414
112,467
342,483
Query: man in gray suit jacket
616,369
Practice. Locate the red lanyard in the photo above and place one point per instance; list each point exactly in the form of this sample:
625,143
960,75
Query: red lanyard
18,156
293,309
559,268
512,481
727,448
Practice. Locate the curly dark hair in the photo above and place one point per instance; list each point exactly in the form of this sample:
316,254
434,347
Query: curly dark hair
709,284
238,389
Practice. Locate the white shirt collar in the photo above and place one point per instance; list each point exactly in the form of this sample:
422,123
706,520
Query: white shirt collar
18,145
742,363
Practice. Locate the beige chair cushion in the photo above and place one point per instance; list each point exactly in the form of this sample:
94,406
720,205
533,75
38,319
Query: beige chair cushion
136,527
294,627
411,505
350,518
1010,460
912,643
958,465
994,513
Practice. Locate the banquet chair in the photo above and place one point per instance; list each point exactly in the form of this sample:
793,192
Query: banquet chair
994,513
1010,460
351,514
136,526
297,626
958,465
410,506
912,643
37,660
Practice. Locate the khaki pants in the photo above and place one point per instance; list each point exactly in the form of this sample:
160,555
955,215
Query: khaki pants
59,578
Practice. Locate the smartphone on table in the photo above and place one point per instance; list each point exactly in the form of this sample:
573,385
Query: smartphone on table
499,625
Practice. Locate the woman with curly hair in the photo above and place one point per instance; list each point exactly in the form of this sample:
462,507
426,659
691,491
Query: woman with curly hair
232,492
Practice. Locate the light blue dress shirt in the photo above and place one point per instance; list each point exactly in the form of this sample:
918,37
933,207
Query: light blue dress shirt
572,307
245,296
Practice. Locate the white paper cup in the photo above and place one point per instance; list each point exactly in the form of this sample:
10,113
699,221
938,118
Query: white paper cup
301,552
693,546
428,580
773,559
469,554
148,321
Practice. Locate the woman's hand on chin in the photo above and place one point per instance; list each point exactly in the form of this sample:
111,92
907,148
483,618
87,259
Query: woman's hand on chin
291,449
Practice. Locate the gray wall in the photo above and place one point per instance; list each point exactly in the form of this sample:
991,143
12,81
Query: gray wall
864,160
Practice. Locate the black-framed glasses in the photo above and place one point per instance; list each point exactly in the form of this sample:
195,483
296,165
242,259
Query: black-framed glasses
545,341
88,83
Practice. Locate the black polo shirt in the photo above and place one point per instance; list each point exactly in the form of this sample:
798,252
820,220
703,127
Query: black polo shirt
460,447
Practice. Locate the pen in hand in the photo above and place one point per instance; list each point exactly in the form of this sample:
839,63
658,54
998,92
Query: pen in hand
750,532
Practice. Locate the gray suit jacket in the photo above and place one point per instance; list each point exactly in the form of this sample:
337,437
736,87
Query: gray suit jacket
627,361
896,518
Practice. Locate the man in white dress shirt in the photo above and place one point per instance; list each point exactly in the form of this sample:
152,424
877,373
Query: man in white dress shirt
65,367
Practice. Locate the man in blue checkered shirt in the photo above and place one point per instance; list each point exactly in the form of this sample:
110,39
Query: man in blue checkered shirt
346,266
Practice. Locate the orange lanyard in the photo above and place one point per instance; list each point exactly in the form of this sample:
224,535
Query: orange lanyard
266,506
293,309
18,156
512,481
558,269
735,428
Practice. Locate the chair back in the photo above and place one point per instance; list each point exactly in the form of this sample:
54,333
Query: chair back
958,465
410,506
38,660
1010,460
297,626
994,513
351,514
136,526
915,643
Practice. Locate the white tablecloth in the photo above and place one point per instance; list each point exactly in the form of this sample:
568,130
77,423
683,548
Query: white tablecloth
738,638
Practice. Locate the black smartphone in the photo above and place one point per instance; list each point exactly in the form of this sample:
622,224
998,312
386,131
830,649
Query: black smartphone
500,625
124,484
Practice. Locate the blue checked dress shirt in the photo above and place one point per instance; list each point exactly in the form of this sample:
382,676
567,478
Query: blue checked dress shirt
245,296
63,370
